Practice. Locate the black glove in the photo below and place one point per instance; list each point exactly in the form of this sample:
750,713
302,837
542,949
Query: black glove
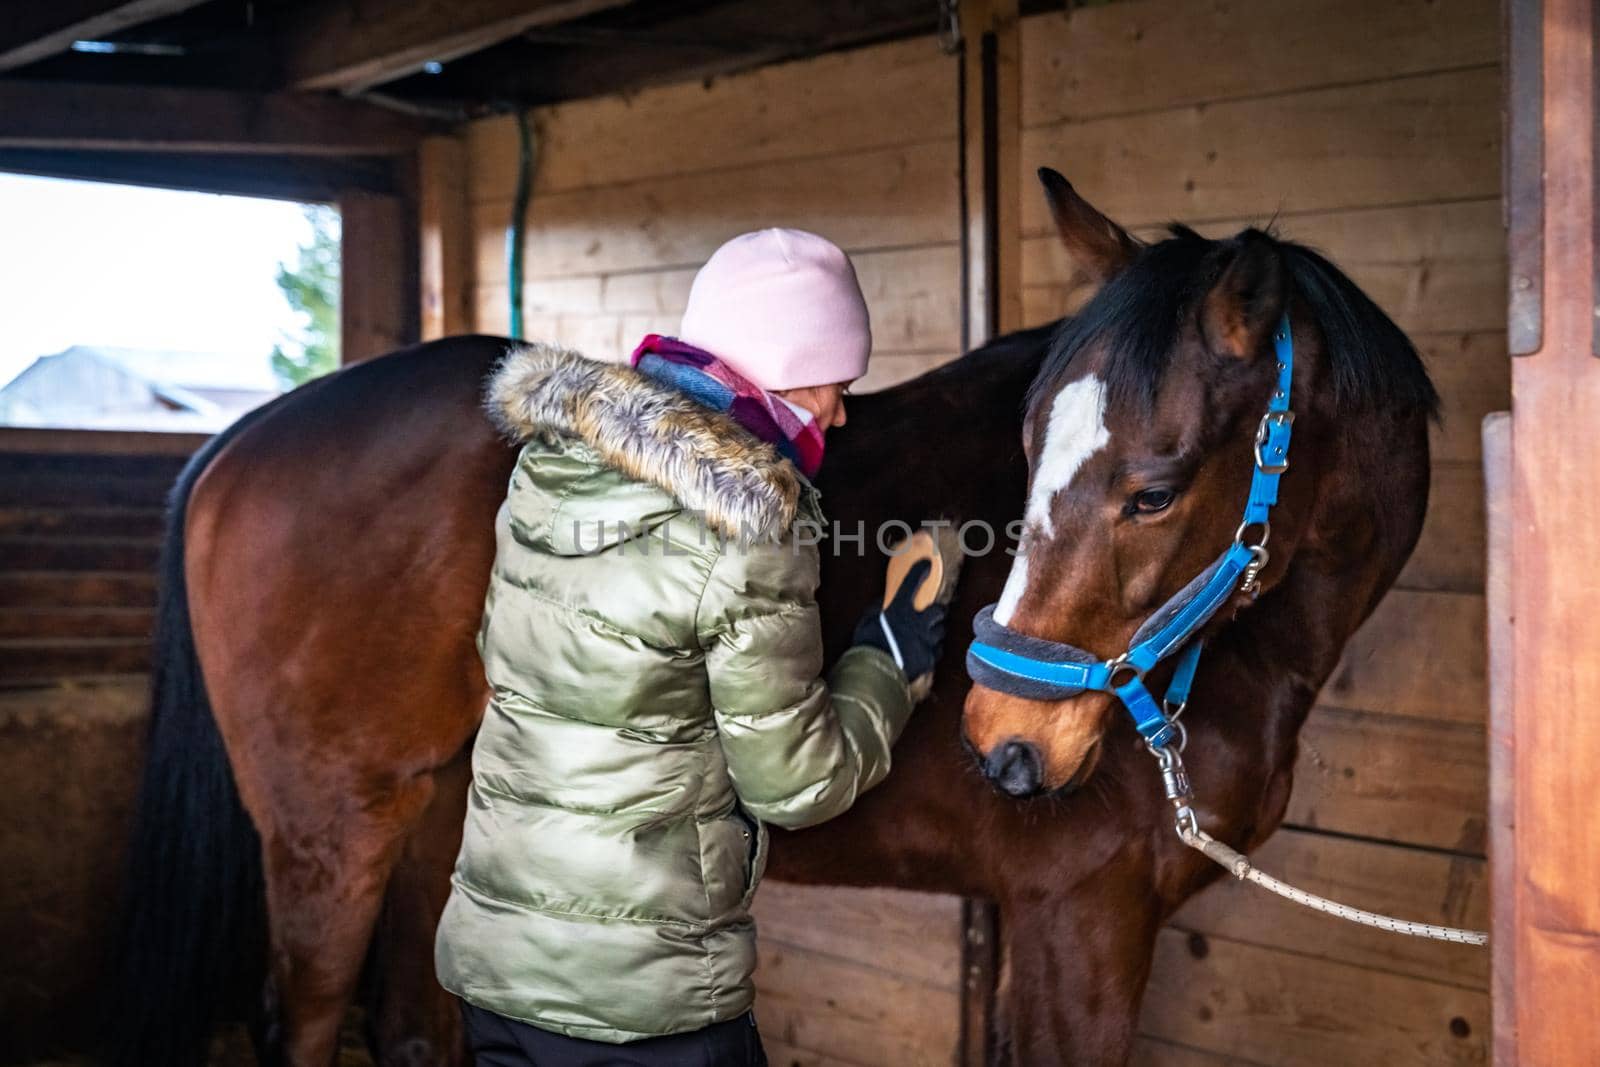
919,635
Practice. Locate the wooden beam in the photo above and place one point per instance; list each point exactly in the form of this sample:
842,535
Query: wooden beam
377,275
709,40
1555,540
355,44
301,178
1524,175
127,117
32,32
99,442
991,126
446,238
1502,735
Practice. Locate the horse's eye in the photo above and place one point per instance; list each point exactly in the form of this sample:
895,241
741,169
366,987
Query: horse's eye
1151,501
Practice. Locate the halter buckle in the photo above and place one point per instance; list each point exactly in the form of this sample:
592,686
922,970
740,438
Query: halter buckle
1263,435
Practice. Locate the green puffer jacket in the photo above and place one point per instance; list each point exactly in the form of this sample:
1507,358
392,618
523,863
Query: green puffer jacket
656,699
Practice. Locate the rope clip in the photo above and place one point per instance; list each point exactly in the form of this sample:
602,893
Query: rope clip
1188,823
1174,778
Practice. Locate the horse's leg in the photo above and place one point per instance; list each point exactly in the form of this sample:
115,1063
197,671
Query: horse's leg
1073,971
326,868
415,1023
337,551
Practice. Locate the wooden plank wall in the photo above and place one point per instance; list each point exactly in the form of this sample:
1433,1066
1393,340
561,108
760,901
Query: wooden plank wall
858,977
634,192
79,537
1372,131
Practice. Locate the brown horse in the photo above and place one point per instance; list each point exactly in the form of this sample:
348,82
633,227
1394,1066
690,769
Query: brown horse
317,687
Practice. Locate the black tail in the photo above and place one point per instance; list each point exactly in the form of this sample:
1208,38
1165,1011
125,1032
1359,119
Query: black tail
193,908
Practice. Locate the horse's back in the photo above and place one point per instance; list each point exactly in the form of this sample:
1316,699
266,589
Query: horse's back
338,552
339,546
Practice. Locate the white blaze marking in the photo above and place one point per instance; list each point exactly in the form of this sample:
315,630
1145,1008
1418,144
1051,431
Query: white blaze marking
1076,431
1016,585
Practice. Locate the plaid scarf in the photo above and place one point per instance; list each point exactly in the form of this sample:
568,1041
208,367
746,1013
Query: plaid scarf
699,374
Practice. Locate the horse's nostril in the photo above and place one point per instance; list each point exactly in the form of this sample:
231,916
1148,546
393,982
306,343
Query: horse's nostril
1014,766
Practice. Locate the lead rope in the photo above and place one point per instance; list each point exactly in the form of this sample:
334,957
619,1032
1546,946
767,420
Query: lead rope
1175,779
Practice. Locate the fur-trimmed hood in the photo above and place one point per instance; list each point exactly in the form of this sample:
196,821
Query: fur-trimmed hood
649,432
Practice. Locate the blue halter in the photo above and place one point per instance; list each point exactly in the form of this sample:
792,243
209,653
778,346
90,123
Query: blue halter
1010,662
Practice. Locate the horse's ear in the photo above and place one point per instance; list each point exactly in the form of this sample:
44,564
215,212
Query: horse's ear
1245,303
1098,245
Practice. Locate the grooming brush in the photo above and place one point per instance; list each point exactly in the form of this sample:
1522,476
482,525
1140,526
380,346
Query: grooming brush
942,549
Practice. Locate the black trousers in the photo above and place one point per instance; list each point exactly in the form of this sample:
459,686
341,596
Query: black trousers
496,1041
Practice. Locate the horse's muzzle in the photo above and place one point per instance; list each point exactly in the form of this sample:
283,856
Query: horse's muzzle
1015,768
1028,747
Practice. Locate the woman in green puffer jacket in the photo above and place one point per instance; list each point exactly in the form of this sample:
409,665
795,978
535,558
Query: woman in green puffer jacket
653,646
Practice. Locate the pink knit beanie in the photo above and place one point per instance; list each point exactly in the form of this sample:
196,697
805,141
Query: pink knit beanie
783,308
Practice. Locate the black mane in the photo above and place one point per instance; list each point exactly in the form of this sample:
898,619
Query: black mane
1140,312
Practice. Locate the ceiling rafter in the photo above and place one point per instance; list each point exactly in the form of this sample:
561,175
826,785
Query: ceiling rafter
350,45
116,117
35,31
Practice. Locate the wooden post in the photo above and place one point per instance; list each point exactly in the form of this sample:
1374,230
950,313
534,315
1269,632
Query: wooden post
1552,910
980,970
991,130
378,275
991,272
446,249
1502,850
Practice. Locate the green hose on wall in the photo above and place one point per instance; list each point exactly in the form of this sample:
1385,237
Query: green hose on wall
526,155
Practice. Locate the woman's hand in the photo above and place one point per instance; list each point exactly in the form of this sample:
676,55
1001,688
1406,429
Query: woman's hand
912,638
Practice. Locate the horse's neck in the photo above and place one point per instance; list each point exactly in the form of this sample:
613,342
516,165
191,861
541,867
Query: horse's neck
1280,651
1289,644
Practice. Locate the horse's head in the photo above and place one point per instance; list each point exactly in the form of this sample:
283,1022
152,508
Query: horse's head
1140,434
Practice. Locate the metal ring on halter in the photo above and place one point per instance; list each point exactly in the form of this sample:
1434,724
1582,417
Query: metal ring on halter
1183,737
1266,532
1120,664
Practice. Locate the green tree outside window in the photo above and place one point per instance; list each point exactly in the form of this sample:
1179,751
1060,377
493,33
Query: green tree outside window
312,289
